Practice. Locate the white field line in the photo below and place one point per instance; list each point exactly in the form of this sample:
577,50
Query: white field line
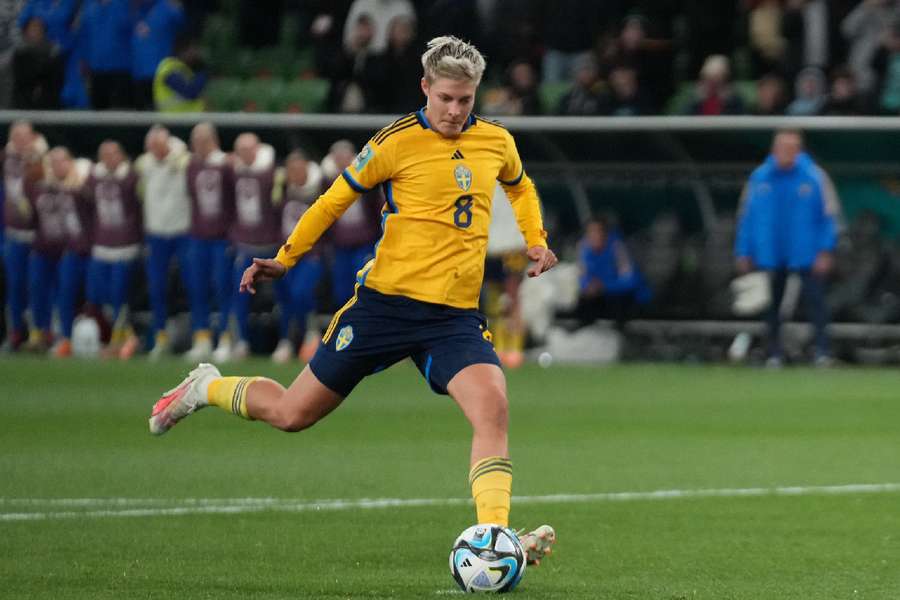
153,507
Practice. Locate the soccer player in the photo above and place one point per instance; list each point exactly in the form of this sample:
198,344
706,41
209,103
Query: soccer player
255,230
162,182
61,250
302,185
417,298
112,190
22,158
210,181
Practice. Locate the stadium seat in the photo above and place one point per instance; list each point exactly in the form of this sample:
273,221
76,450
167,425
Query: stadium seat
224,94
551,94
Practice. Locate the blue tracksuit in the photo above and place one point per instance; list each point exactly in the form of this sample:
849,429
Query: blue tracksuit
157,22
612,267
297,296
211,263
62,279
784,224
106,29
108,283
160,251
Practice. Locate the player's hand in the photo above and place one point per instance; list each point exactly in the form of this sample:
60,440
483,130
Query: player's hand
262,269
542,259
823,264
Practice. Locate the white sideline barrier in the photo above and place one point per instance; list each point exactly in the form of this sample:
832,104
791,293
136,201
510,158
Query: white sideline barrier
523,124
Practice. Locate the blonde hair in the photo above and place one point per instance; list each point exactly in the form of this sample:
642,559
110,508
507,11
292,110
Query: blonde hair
450,57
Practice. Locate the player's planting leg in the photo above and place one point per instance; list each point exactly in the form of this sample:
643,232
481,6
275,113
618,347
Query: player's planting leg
480,390
296,408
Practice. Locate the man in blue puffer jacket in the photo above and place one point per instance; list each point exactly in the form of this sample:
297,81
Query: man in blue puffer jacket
787,224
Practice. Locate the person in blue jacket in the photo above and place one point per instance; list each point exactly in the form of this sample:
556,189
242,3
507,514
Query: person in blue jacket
156,25
611,286
787,224
105,32
59,17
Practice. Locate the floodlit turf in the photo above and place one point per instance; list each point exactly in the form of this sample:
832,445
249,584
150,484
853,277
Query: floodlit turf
78,430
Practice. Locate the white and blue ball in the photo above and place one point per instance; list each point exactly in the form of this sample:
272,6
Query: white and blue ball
487,558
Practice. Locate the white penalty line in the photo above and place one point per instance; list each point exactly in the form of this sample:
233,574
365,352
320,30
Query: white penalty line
154,507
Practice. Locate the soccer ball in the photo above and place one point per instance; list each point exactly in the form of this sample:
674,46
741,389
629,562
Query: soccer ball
487,558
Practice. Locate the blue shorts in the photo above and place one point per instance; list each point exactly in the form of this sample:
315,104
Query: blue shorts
377,330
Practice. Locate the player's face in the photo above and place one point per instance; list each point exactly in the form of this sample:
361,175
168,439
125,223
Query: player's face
158,145
785,149
60,165
450,102
21,137
296,172
111,156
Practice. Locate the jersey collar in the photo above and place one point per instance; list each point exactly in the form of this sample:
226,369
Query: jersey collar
423,120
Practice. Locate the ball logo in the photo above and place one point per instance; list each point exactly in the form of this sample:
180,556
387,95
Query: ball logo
463,176
344,337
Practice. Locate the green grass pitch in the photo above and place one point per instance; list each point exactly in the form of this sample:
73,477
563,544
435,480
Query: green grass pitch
78,430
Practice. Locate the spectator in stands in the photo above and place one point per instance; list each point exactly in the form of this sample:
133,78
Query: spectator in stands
650,59
586,95
105,30
865,28
569,31
771,98
611,286
844,99
402,68
355,73
61,250
181,79
381,13
889,96
23,157
58,16
624,96
156,25
714,93
325,20
787,225
9,38
518,97
302,185
210,184
352,236
709,30
167,218
768,45
805,25
810,93
38,70
111,191
256,230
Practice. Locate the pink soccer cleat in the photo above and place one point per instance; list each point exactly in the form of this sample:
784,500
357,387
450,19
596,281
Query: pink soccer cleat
179,402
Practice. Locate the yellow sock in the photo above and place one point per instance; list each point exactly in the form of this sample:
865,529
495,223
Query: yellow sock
230,394
491,481
202,335
515,340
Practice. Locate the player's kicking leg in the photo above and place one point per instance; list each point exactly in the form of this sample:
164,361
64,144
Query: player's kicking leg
480,390
254,398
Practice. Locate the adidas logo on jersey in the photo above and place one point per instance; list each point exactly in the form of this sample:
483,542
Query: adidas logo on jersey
457,155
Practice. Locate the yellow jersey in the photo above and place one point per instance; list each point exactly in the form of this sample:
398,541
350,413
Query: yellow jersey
435,221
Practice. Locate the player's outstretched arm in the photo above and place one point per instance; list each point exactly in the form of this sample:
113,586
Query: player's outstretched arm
543,259
262,269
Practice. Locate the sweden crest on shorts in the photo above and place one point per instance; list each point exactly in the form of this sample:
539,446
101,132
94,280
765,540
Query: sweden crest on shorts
344,337
463,176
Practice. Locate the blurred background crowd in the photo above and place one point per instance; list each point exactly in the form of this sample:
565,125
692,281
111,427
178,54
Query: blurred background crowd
564,57
646,222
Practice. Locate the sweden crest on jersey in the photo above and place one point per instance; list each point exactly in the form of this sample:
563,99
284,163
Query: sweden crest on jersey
344,337
463,176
